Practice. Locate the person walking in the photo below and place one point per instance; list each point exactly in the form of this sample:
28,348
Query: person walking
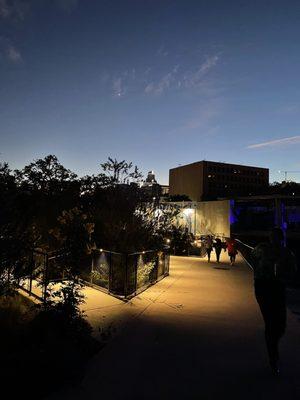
208,246
218,245
232,250
274,265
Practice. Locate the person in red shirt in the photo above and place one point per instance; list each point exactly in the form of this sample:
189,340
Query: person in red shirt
232,250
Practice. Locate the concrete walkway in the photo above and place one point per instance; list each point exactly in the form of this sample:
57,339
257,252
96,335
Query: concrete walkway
197,334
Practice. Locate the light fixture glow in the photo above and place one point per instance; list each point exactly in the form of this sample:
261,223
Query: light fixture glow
188,211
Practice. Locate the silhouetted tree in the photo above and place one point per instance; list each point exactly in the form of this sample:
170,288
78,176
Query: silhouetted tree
179,197
46,189
46,174
120,171
14,237
285,188
45,197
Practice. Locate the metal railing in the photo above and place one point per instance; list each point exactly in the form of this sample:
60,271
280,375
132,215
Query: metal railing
125,275
42,268
245,250
118,274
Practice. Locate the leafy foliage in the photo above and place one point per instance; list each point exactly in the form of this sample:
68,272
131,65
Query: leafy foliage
72,237
285,188
179,197
120,172
46,175
41,344
15,236
180,240
46,205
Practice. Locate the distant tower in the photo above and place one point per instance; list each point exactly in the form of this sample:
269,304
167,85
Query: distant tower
151,177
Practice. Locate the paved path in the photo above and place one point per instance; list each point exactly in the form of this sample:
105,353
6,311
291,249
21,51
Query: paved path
197,334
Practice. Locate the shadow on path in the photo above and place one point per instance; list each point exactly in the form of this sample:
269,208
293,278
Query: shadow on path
195,335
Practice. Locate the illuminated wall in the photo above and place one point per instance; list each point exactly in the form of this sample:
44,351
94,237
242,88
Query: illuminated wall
213,217
206,217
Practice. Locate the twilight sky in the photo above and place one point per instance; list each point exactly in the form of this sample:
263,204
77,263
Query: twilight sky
156,82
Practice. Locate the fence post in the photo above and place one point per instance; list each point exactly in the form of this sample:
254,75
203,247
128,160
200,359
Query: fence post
109,272
31,272
126,276
156,265
92,267
8,278
167,263
45,277
135,274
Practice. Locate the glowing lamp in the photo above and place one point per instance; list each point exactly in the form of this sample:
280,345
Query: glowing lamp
188,211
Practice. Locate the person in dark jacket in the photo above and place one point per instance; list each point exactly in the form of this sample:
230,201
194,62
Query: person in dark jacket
218,245
208,246
274,265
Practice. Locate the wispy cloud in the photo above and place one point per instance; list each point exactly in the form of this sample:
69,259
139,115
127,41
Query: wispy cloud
9,52
67,5
147,71
162,51
13,9
205,119
118,89
17,9
13,54
4,9
121,83
289,109
151,81
178,79
277,142
195,78
12,12
162,84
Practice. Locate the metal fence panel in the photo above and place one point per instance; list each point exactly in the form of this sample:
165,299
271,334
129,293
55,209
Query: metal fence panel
146,269
86,268
56,268
33,280
131,272
100,268
118,274
161,264
167,264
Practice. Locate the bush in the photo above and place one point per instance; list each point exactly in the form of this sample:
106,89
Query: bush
45,348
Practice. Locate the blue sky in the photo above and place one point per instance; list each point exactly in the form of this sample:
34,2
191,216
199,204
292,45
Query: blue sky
156,82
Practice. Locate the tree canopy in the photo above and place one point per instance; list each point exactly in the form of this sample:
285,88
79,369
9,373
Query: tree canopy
48,206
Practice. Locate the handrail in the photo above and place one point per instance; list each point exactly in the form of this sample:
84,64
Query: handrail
250,248
125,254
105,251
142,252
244,244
